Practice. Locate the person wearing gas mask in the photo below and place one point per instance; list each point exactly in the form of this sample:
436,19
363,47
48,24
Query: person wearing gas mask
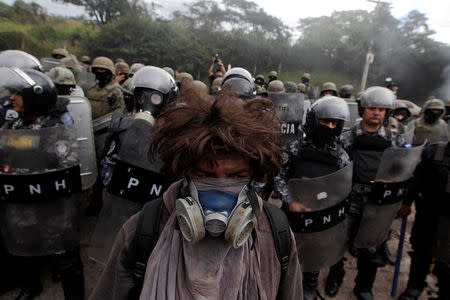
211,235
365,143
105,96
316,157
36,141
430,126
125,170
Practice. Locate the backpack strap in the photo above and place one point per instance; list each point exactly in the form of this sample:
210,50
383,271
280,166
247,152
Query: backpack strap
145,238
281,235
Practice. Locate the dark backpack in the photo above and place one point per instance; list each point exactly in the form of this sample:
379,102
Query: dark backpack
147,234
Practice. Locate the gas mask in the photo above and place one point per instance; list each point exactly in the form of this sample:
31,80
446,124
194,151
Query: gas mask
149,104
305,81
217,207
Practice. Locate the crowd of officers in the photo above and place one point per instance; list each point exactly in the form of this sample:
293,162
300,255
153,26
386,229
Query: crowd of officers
322,149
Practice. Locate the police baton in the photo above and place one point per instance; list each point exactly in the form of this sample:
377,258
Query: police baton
399,256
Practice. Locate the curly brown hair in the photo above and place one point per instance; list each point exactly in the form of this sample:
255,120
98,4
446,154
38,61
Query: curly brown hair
194,128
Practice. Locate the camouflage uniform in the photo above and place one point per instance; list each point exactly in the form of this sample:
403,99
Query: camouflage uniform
397,126
290,152
106,100
437,132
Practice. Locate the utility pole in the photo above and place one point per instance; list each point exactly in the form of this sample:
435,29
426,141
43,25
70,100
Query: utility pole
370,56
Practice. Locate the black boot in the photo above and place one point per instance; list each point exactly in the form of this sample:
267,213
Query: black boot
367,271
410,294
96,202
30,292
335,278
310,280
71,274
363,295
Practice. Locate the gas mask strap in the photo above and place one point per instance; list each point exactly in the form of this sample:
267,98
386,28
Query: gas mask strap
253,199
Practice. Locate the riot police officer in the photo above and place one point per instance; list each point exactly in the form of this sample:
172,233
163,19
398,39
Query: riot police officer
19,59
365,143
317,155
346,92
429,236
240,81
130,179
37,140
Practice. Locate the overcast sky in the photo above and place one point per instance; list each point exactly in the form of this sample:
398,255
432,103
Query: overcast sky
289,11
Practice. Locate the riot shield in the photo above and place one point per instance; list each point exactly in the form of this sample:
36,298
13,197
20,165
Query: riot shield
135,181
441,247
100,127
290,108
85,80
396,167
80,110
40,187
354,114
321,232
49,63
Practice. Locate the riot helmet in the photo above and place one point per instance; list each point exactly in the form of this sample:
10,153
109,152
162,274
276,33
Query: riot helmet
329,87
63,79
103,69
19,59
290,87
346,91
59,53
326,110
37,92
379,97
240,81
276,86
153,88
433,110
